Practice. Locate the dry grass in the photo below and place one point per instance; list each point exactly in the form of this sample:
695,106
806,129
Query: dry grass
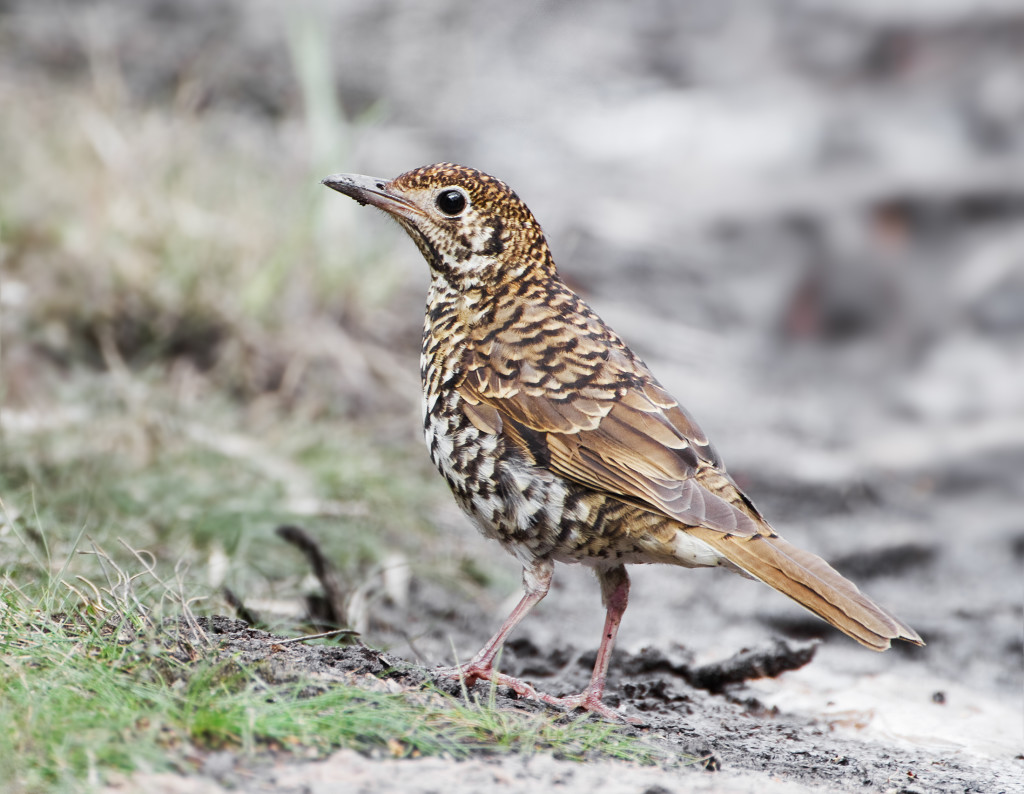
196,342
162,237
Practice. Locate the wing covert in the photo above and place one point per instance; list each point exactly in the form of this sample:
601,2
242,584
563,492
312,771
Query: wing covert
637,443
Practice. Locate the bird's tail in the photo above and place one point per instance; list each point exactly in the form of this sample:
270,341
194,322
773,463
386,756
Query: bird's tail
812,583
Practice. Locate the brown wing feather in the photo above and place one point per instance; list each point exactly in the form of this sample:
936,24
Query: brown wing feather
629,447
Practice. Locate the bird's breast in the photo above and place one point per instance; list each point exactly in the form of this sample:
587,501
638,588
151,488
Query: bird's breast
507,497
533,511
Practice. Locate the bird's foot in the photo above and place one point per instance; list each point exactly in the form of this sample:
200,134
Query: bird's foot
587,700
471,673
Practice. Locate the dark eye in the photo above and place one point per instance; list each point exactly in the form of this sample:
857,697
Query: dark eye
451,202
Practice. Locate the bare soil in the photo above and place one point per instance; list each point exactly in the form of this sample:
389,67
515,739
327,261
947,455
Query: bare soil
729,740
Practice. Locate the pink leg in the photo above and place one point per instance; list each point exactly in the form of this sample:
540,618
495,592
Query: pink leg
536,583
615,594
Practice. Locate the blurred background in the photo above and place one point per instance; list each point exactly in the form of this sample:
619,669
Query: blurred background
805,216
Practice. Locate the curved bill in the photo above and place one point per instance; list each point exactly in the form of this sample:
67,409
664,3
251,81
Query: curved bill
371,190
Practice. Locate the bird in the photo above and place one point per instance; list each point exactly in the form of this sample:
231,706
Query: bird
558,441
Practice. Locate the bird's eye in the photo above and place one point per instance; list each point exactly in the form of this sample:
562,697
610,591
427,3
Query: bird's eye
451,202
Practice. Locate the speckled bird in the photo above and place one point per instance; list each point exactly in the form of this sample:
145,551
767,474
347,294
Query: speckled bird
556,439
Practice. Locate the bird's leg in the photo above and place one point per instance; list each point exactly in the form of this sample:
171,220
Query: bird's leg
615,595
536,583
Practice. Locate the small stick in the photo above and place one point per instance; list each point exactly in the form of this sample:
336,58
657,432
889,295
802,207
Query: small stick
322,569
236,603
305,637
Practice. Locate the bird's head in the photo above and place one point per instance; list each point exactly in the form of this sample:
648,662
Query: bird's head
472,229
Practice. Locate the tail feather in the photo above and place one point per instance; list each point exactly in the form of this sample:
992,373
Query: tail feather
812,583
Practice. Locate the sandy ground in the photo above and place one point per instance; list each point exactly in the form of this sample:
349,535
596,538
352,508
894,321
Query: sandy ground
815,729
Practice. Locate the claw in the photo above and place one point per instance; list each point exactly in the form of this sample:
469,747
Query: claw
470,674
587,700
536,581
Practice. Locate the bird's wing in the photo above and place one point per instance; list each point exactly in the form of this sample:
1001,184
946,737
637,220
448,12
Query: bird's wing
606,423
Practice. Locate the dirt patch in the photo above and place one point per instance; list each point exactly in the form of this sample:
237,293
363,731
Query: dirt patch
740,742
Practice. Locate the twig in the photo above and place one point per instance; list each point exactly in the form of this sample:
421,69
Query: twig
748,664
243,612
322,569
334,633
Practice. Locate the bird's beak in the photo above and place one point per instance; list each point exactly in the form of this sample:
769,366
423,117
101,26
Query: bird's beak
371,190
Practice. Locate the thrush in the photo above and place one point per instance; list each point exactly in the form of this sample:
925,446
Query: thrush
556,439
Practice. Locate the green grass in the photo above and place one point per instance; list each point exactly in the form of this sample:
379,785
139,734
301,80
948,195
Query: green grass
188,484
97,690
